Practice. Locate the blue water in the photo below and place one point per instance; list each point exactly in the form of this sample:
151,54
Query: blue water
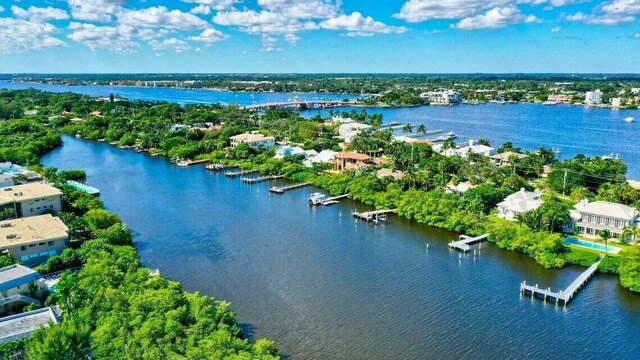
324,286
591,245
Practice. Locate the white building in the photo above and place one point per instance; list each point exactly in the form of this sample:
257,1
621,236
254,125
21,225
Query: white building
593,97
519,203
18,286
20,326
460,188
617,102
31,199
464,151
444,97
285,151
255,140
325,156
589,218
350,130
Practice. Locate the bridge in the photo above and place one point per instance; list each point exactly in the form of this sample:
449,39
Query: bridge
298,104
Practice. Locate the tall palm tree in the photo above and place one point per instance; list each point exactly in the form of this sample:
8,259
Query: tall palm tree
605,235
407,129
422,130
632,232
448,144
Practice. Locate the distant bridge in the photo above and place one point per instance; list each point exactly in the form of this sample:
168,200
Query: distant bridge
298,104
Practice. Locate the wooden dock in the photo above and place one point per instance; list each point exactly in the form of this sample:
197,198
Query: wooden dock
191,162
254,180
373,216
465,241
282,189
239,173
333,200
567,294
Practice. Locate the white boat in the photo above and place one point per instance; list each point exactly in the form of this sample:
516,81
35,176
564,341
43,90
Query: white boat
316,198
629,119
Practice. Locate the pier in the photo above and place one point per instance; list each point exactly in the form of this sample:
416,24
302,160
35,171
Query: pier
282,189
259,179
373,216
299,104
563,295
465,241
239,173
191,162
320,199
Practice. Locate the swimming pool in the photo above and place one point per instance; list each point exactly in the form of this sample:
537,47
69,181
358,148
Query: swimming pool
591,245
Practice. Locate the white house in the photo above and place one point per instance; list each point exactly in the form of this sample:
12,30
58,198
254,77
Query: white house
286,150
254,139
519,203
460,188
589,218
463,151
324,156
593,97
349,131
445,97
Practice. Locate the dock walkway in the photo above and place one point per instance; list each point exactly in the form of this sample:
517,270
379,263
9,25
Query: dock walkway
191,162
374,216
465,241
282,189
254,180
333,200
239,173
563,295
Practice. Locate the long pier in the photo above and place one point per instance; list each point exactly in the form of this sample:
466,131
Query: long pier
282,189
254,180
374,216
191,162
301,104
239,173
563,295
465,241
333,200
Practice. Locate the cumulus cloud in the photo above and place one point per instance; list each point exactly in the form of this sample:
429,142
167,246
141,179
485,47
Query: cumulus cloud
269,22
269,43
358,25
161,17
1,8
201,10
215,4
95,10
21,35
495,18
119,39
174,44
423,10
209,36
600,19
303,9
555,29
39,14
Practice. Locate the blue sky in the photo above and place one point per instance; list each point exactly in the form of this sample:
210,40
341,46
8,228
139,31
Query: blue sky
424,36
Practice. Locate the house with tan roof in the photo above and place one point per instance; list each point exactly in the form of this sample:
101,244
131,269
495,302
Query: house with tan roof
505,157
255,140
31,199
350,160
32,240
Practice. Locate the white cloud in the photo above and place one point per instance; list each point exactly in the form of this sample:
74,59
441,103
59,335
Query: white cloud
495,18
201,10
39,14
215,4
170,44
622,7
1,8
358,25
555,29
269,43
95,10
303,9
602,19
118,39
161,17
21,35
254,22
636,36
423,10
209,36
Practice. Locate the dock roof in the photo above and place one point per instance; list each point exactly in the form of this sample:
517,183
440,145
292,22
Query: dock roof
20,326
15,275
31,230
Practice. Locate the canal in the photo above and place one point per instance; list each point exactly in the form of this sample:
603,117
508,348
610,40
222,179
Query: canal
324,286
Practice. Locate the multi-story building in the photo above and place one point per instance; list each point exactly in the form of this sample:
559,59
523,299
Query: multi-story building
617,102
255,140
560,98
590,218
31,199
32,240
18,286
593,97
442,97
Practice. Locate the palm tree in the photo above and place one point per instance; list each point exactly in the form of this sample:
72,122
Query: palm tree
448,144
605,235
422,130
407,129
632,232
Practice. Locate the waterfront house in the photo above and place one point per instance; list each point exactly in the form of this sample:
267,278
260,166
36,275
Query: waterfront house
254,139
560,98
465,150
33,240
505,158
589,218
593,98
349,131
519,203
324,156
20,326
444,97
617,102
32,199
18,286
350,160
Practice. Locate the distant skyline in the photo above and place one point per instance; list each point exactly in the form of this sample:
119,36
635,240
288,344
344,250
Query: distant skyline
328,36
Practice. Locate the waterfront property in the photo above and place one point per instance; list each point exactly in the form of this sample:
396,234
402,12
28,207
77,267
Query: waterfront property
350,160
505,158
31,199
20,326
459,188
350,130
590,218
445,97
472,147
285,151
519,203
323,157
18,286
593,98
591,245
254,139
33,239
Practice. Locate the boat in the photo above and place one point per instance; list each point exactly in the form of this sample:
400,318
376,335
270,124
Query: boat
629,119
78,135
317,198
215,166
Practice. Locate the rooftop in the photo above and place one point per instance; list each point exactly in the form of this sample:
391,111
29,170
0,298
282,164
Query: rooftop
352,156
15,275
507,155
28,191
608,209
522,201
31,229
251,137
19,326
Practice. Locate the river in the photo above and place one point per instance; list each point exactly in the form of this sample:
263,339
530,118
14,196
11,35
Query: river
327,287
571,129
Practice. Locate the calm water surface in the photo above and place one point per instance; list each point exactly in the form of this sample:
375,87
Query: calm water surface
326,287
